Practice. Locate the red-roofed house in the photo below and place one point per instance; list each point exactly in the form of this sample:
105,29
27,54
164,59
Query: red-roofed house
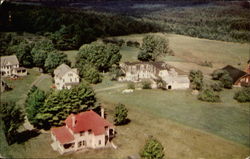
83,130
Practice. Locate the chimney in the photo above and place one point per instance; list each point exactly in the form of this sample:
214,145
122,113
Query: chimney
73,121
102,112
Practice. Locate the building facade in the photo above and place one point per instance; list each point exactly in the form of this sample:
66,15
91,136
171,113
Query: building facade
10,66
65,77
83,130
154,71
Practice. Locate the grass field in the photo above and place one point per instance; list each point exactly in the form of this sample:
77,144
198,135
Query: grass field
20,87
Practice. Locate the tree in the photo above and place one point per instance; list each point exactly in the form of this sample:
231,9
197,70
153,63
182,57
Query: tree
217,86
121,114
34,102
243,95
101,56
54,59
40,52
23,54
91,74
208,95
153,149
115,72
12,118
227,81
59,104
153,46
196,79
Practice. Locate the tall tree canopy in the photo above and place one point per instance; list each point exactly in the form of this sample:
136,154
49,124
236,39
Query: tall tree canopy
196,79
54,59
152,47
101,56
60,104
34,102
40,51
11,119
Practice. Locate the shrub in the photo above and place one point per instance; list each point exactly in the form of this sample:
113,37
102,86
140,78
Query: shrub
243,95
115,72
196,79
208,95
133,44
146,85
217,86
131,85
227,81
121,114
153,149
217,74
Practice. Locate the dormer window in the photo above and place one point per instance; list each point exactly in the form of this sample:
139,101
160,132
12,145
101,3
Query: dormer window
89,131
81,133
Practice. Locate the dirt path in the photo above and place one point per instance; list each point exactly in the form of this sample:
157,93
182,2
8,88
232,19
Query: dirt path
110,88
39,79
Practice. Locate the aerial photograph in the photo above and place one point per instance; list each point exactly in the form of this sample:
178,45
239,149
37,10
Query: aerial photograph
125,79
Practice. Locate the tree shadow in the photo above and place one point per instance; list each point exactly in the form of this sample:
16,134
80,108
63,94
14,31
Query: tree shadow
26,135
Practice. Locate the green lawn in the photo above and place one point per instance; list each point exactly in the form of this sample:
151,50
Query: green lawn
227,119
129,54
20,87
45,84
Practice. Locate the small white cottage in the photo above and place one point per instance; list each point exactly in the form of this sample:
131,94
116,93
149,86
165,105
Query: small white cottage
65,77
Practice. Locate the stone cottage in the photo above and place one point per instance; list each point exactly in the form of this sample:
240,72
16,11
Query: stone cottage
154,71
65,77
83,130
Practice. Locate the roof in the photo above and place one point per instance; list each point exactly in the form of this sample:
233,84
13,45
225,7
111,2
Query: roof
71,83
62,134
178,79
20,68
88,120
234,73
158,64
61,70
9,59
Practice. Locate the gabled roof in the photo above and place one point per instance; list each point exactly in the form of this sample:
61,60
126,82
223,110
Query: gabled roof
61,70
234,73
158,64
62,134
86,121
9,59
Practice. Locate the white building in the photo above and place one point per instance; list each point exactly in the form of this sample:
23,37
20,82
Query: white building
154,71
83,130
10,66
65,77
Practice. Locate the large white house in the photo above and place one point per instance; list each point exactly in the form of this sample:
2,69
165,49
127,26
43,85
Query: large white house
65,77
155,72
10,66
83,130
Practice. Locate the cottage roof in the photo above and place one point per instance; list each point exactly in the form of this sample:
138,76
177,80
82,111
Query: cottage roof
62,134
234,73
160,65
9,59
86,121
61,70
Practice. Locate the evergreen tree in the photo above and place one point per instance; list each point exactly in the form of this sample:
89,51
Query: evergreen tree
34,102
121,114
153,149
60,104
11,119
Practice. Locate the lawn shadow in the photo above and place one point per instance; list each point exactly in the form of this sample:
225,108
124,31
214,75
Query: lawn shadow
26,135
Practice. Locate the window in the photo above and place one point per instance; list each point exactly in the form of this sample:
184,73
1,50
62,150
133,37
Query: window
70,74
100,142
83,143
70,79
79,144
